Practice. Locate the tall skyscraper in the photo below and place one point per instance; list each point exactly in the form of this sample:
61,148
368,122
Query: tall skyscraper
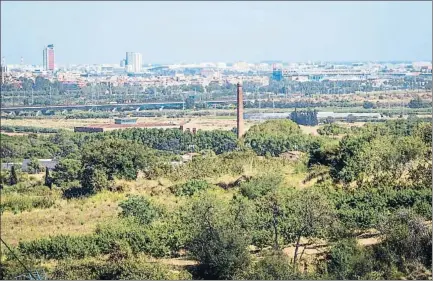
133,62
48,57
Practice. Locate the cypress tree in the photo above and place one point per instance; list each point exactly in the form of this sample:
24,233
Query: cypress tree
48,181
13,179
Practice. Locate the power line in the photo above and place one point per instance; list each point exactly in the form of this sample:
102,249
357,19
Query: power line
13,253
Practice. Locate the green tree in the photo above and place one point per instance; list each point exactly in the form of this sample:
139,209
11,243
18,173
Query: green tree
368,105
190,102
116,157
48,179
407,239
94,179
13,179
34,166
347,260
218,241
307,213
67,170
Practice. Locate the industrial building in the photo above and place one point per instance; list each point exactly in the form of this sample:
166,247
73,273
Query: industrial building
125,121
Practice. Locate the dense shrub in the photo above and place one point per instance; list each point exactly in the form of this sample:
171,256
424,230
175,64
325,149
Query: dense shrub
363,208
60,247
273,266
28,129
133,268
140,208
257,187
347,260
19,203
189,188
332,130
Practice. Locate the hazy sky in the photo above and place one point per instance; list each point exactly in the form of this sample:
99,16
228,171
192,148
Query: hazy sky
172,32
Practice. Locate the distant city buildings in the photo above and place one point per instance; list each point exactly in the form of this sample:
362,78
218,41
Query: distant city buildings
48,58
133,62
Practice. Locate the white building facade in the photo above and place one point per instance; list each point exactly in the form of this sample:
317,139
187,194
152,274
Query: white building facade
133,62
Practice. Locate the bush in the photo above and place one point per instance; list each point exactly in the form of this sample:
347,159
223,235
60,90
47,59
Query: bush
160,239
332,130
133,268
346,260
260,186
274,266
61,247
140,208
189,188
19,203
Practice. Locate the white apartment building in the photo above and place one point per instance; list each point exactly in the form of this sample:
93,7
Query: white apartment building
133,62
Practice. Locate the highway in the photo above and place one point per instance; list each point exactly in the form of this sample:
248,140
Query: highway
116,105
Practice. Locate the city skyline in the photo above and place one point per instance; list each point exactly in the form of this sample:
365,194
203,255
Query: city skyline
217,31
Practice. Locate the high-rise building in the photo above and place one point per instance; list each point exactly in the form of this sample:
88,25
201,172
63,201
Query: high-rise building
48,57
133,62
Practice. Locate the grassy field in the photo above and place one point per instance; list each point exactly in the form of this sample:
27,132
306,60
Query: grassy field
81,216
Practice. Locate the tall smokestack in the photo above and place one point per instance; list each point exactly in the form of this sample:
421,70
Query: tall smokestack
240,111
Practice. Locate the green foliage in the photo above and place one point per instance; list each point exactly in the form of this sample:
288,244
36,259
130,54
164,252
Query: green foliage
190,102
332,130
60,247
28,129
407,238
13,179
34,166
286,215
379,155
140,208
368,105
174,140
305,117
257,187
94,179
218,241
11,268
48,181
276,137
18,203
275,128
189,188
162,238
347,260
117,158
133,268
67,170
363,208
418,103
274,266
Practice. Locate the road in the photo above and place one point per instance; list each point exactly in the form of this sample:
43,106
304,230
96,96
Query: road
90,106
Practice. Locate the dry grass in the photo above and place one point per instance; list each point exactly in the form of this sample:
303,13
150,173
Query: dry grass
73,217
81,216
203,123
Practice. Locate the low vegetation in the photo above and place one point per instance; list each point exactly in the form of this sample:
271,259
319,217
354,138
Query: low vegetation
123,205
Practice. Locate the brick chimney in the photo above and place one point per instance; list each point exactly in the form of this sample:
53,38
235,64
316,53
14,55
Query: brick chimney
240,111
